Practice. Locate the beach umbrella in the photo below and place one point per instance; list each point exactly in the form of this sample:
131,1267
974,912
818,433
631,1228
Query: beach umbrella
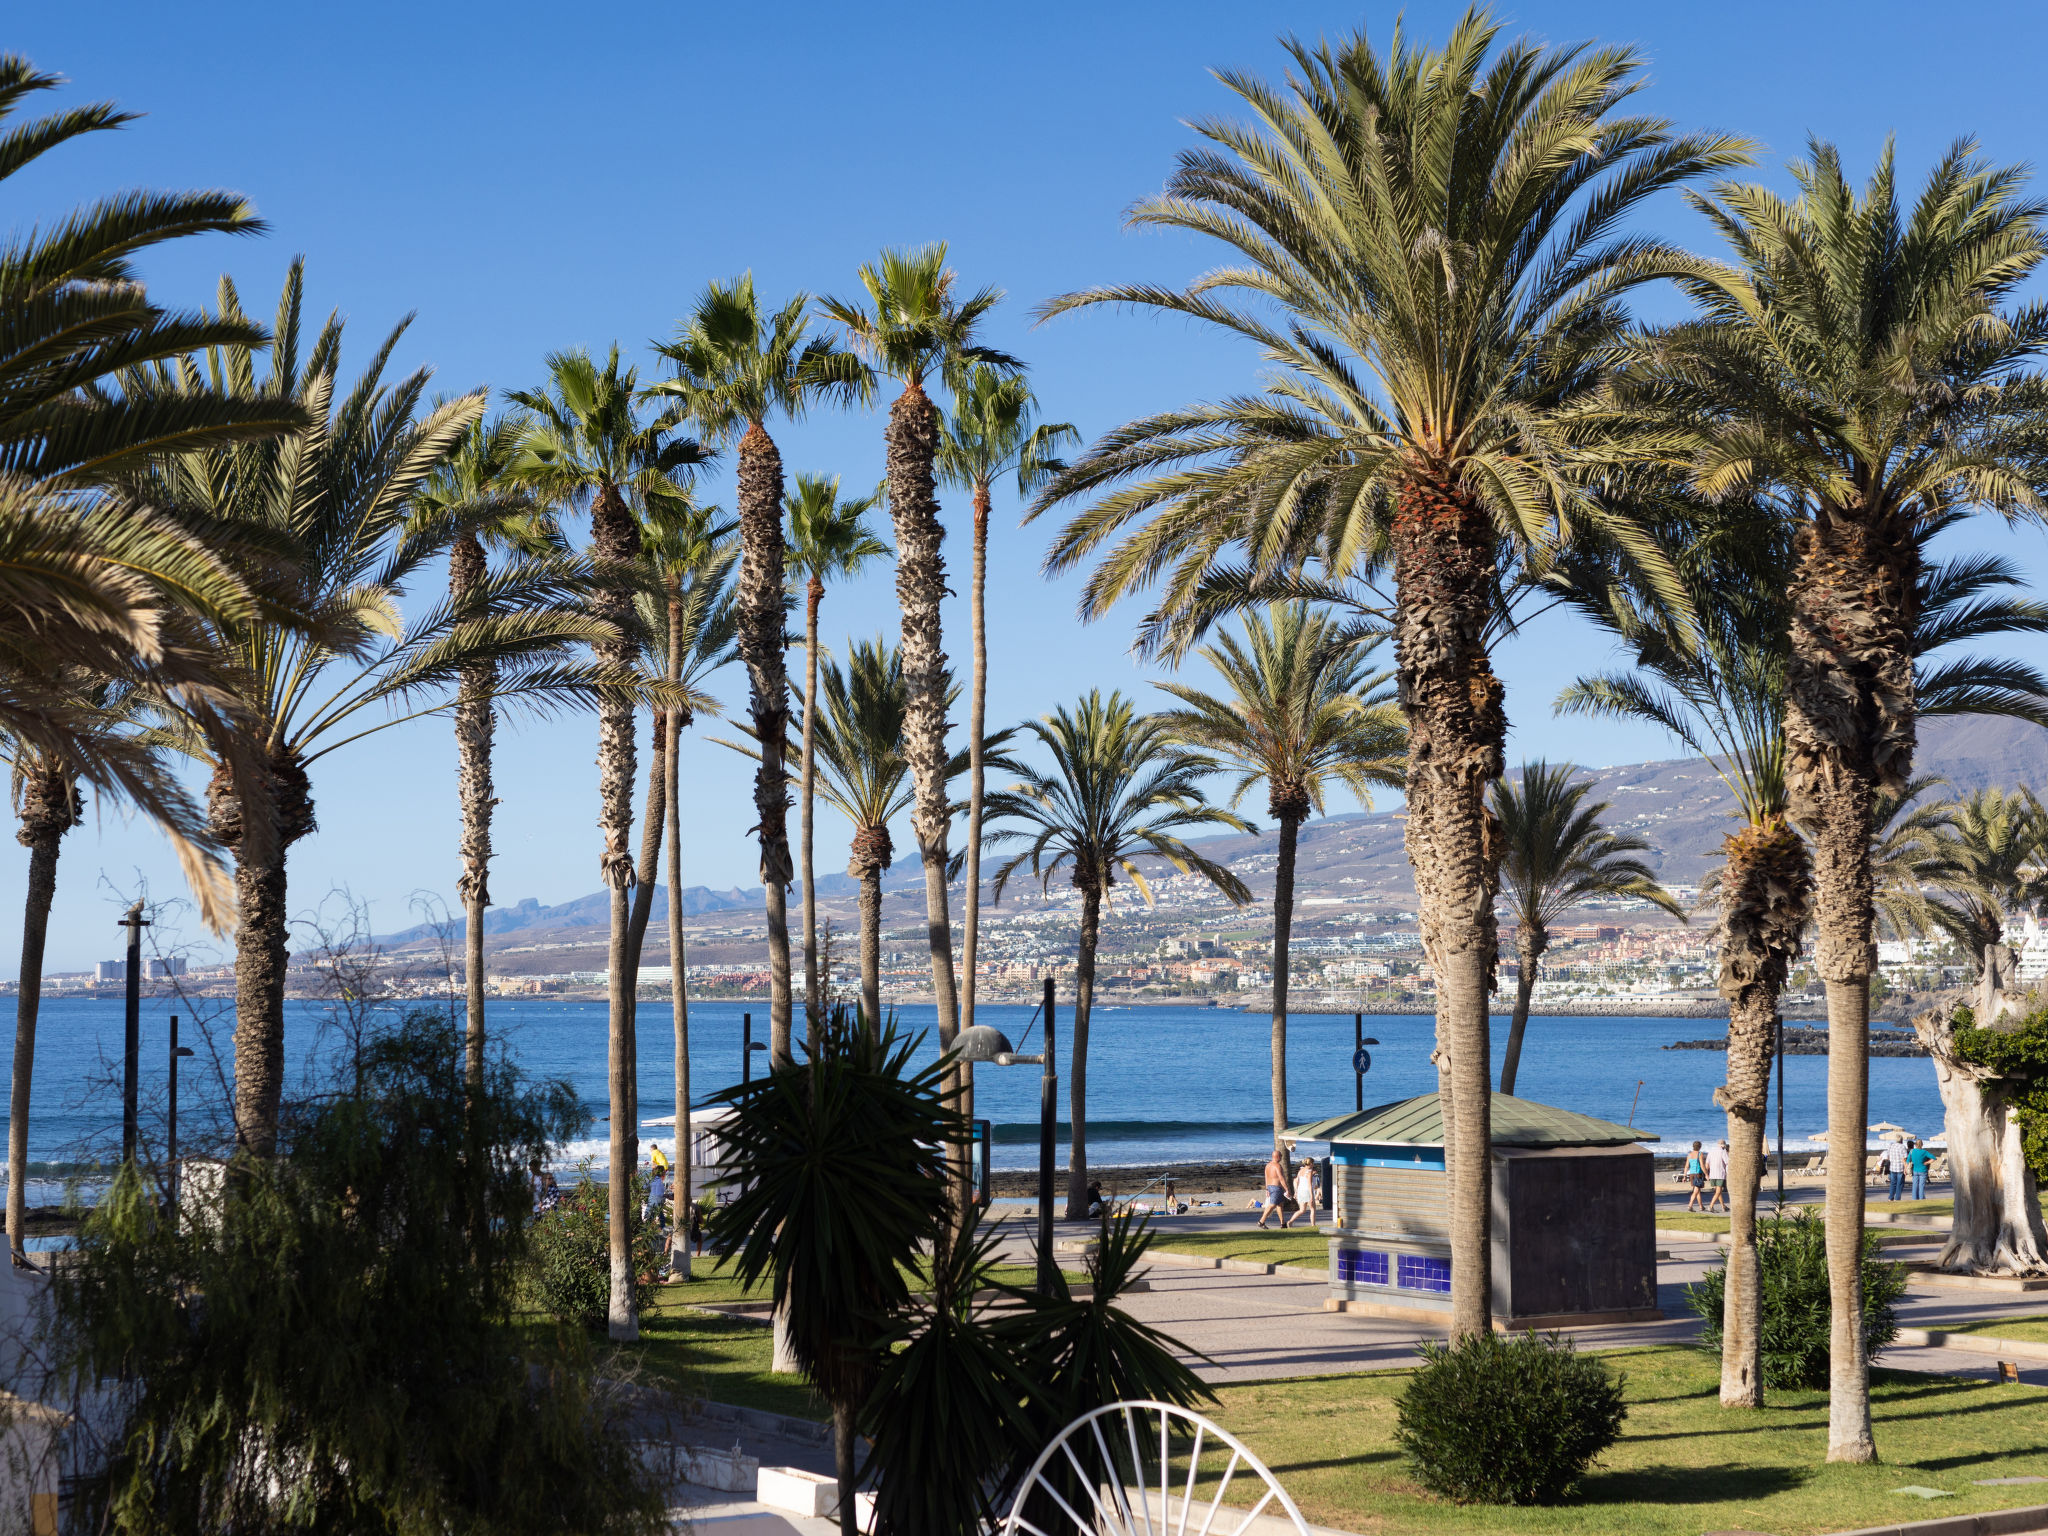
1884,1130
1819,1137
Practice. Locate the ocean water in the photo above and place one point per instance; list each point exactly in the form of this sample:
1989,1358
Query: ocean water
1164,1083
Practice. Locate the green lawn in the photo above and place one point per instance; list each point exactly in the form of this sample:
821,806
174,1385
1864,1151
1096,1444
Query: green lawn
1913,1207
1690,1221
1684,1465
1311,1250
2035,1328
712,1282
725,1359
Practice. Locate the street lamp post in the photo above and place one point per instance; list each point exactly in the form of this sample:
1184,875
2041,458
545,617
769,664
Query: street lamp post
171,1155
134,922
748,1045
984,1042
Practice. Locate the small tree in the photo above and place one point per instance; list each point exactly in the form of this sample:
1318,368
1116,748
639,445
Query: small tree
320,1347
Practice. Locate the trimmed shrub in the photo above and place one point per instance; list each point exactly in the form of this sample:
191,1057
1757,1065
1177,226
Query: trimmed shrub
571,1253
1792,1256
1490,1420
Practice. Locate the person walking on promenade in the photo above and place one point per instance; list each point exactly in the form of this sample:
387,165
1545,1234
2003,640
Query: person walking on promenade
657,1191
1917,1159
1304,1193
1276,1189
1717,1176
1696,1176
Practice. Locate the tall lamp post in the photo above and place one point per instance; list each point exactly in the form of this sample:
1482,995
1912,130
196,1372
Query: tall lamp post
134,922
171,1155
748,1045
984,1042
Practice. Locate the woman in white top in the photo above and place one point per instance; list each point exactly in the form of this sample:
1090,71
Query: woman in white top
1304,1192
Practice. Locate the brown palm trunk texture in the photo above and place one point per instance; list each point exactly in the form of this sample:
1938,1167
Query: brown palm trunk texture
977,723
475,728
912,442
760,647
1443,572
871,855
283,807
1849,725
1289,805
1766,894
1531,940
1077,1066
50,807
614,544
814,990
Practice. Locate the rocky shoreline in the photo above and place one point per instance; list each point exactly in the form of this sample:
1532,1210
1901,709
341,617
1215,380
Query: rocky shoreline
1814,1042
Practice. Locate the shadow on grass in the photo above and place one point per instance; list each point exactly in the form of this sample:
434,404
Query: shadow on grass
1716,1484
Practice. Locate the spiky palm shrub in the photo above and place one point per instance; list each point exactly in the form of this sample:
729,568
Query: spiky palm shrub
1121,787
845,1185
1430,246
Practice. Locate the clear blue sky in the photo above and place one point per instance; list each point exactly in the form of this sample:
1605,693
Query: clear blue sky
531,177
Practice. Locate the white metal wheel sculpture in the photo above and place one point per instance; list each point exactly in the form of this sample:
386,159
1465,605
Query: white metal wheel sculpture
1137,1469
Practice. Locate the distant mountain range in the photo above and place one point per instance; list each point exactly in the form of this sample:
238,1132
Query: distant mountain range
1350,865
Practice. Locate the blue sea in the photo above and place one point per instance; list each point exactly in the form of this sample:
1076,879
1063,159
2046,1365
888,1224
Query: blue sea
1164,1083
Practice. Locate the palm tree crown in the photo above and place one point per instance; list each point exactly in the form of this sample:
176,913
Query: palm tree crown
828,534
1989,860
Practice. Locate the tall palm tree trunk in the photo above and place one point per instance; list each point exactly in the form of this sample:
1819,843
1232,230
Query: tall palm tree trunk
475,726
645,877
614,543
871,854
678,965
760,647
262,930
1531,940
1765,889
1443,568
977,718
1848,734
1283,939
814,1010
1077,1065
913,439
49,809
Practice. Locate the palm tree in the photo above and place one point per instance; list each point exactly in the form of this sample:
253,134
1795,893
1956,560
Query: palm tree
1712,672
1989,859
990,434
1436,332
1302,710
864,775
589,448
1903,851
323,529
827,538
96,583
736,366
77,314
1121,788
690,631
912,326
1866,366
1555,854
479,509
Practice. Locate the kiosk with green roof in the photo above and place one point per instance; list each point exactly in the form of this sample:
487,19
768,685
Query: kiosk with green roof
1574,1215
